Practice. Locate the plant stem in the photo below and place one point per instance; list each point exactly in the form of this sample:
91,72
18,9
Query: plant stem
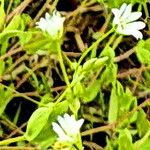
12,140
62,65
146,13
94,45
117,42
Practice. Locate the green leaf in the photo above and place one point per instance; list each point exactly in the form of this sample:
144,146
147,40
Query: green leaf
74,105
109,75
143,125
109,52
37,121
19,22
2,67
78,89
45,43
73,100
146,79
143,52
113,105
88,64
45,99
127,102
111,144
91,91
6,35
2,14
145,145
120,103
47,136
15,29
5,96
94,63
125,140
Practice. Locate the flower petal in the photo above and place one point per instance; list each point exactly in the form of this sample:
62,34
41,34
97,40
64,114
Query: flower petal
47,16
118,12
135,25
58,129
53,24
61,135
130,31
127,12
123,8
133,16
63,124
137,34
79,123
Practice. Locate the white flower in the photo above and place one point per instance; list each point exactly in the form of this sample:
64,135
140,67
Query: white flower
125,23
67,129
53,24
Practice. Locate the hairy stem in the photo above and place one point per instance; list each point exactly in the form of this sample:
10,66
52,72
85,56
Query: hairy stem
12,140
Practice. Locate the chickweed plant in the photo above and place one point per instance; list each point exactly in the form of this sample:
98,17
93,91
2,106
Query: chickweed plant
75,75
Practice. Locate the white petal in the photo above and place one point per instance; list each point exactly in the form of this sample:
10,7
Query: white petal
63,124
137,34
58,129
70,120
62,136
133,16
79,123
53,24
135,25
118,12
123,31
47,16
130,31
123,8
127,12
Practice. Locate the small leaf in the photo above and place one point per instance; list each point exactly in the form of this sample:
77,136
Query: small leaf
78,89
143,143
37,121
125,140
88,64
74,105
109,75
143,52
109,52
2,14
94,63
91,91
2,67
113,105
45,43
143,125
121,102
19,22
5,96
